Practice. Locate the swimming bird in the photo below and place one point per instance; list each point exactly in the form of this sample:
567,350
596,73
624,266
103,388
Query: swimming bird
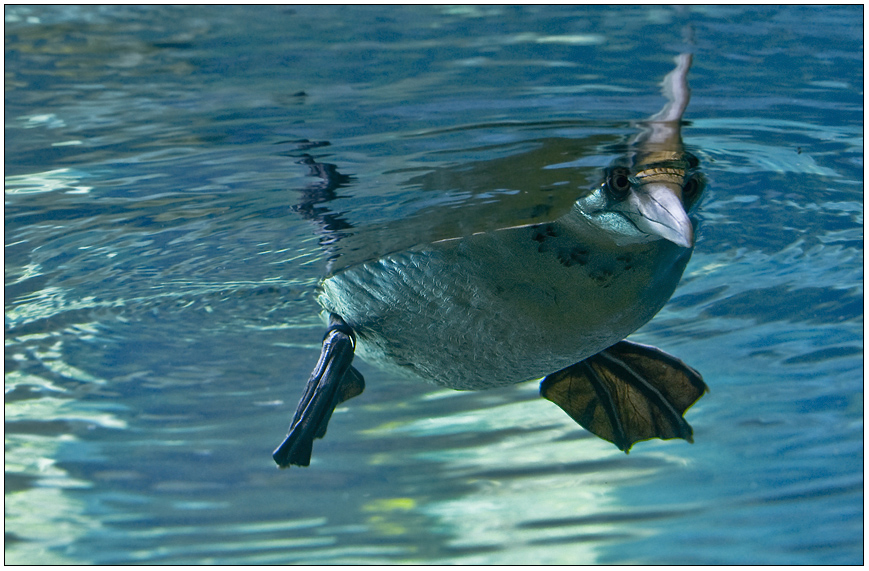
552,300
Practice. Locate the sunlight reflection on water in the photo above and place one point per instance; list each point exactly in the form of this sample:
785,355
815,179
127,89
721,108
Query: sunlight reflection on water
161,283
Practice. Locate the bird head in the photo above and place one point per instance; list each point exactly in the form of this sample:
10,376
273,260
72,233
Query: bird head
649,202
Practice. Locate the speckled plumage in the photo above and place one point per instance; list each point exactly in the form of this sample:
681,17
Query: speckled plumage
553,299
505,306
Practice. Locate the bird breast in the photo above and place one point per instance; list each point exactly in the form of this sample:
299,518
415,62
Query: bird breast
502,307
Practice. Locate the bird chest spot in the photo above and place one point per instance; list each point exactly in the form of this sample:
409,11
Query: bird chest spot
542,232
627,261
603,278
573,256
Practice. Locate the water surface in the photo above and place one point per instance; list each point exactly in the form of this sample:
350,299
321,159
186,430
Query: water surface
161,282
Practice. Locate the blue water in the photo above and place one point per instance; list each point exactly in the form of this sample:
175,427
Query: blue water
160,284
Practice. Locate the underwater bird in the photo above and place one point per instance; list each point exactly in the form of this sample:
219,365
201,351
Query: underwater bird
547,299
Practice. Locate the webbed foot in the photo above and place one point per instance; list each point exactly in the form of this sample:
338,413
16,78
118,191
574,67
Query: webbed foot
332,381
627,393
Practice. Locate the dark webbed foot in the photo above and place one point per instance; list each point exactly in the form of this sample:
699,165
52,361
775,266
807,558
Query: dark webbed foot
332,381
627,393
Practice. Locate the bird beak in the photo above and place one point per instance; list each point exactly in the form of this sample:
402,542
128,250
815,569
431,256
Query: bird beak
656,209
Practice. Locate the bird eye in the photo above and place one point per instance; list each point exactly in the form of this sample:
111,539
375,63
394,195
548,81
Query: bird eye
618,182
689,191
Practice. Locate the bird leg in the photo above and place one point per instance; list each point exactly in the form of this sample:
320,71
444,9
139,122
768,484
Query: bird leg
332,381
627,393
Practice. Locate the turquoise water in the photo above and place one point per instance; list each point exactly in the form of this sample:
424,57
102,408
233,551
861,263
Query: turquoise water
161,282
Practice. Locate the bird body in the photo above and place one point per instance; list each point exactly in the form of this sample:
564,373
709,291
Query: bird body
549,299
503,307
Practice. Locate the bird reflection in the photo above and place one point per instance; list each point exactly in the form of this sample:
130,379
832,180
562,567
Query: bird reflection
550,266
